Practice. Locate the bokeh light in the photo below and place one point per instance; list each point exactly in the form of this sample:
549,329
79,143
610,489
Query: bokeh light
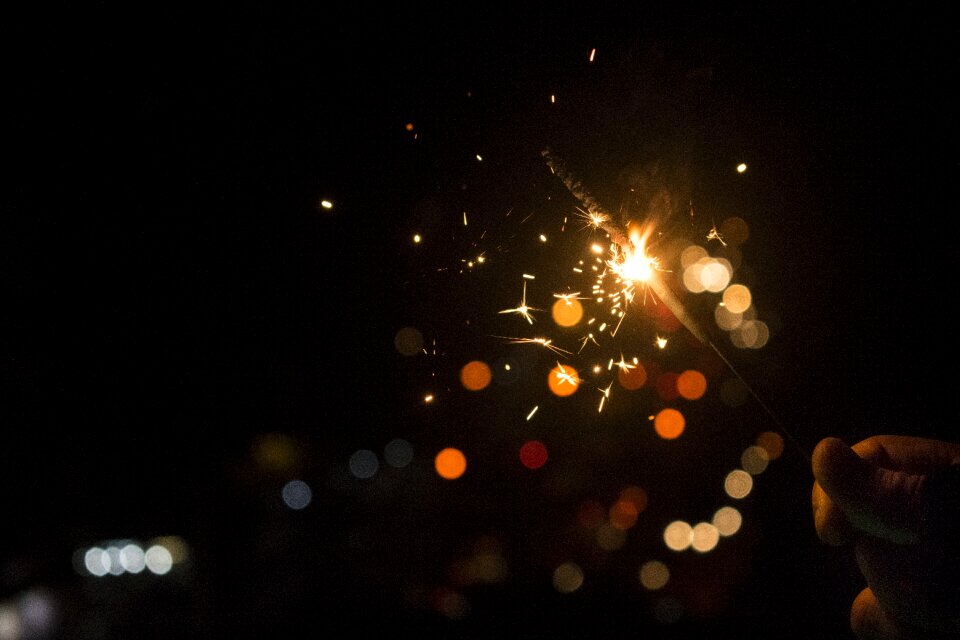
567,312
610,538
408,341
772,443
568,577
132,558
364,464
563,380
678,535
96,562
11,626
738,484
590,514
669,424
398,453
754,460
296,494
475,375
632,379
691,384
741,168
623,514
735,231
450,463
705,537
636,496
727,520
274,452
654,575
533,454
691,255
737,298
158,560
726,319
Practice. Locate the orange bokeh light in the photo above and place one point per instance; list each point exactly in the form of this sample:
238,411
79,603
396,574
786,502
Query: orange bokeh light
563,380
632,379
669,424
475,375
623,514
691,384
450,463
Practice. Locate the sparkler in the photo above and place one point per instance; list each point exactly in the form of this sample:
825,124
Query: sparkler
632,267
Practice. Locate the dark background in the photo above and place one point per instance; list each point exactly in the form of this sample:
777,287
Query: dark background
176,295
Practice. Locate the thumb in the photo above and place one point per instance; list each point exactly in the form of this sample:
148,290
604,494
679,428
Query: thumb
881,502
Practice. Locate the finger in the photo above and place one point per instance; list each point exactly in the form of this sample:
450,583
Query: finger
907,453
828,520
897,576
883,503
870,621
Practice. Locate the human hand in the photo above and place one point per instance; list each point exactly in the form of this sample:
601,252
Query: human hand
897,500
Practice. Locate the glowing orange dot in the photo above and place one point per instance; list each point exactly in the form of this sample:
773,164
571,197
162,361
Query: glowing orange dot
632,379
567,313
409,126
450,463
623,514
563,380
635,495
669,424
772,443
475,375
691,384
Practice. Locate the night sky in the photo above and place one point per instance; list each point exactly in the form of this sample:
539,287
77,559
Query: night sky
188,329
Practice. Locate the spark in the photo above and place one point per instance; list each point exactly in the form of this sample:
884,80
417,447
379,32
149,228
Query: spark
428,398
563,376
567,297
741,167
532,411
593,54
523,310
587,338
546,343
661,342
715,235
464,218
543,238
417,238
605,393
624,365
593,219
326,204
527,276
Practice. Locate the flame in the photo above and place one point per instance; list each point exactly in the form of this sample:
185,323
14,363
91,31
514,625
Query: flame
631,262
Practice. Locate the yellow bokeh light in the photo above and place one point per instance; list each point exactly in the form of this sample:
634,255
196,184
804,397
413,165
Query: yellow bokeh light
568,577
737,298
705,537
691,255
738,484
475,375
714,276
563,380
610,538
417,238
727,520
691,384
654,575
669,424
754,460
567,312
450,463
727,320
326,204
678,535
742,167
